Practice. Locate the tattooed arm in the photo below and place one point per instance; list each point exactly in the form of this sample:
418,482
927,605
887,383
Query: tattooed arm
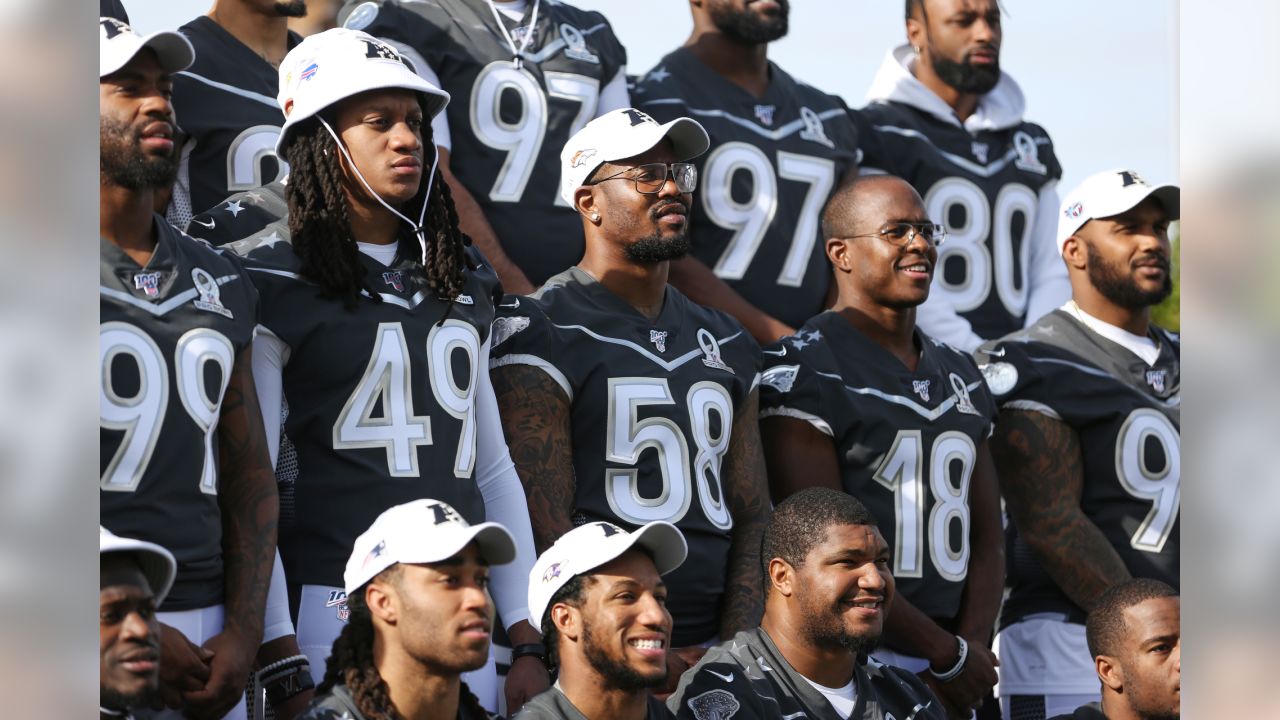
250,511
1041,470
746,492
535,419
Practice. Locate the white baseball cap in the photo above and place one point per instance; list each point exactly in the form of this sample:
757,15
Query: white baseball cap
422,531
118,43
1110,193
622,134
331,66
158,565
589,546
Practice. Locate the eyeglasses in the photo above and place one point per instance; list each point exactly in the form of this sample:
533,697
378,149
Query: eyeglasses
650,178
901,234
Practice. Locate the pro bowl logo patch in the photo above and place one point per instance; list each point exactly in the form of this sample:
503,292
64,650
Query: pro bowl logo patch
210,296
581,157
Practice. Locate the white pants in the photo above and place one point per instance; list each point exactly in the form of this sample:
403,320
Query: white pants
198,625
1044,655
322,612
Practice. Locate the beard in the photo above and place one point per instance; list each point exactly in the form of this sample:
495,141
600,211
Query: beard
652,249
122,162
290,8
115,700
747,27
616,673
964,76
1118,287
825,629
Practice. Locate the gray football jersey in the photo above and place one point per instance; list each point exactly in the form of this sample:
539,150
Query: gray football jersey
508,123
747,678
168,340
773,163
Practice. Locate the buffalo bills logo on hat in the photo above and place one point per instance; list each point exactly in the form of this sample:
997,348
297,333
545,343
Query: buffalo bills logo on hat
310,71
1074,210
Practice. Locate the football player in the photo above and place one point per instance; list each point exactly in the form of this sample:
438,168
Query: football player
861,400
603,604
524,75
624,401
134,576
417,585
1087,447
184,461
780,148
374,334
225,104
942,115
1136,642
828,589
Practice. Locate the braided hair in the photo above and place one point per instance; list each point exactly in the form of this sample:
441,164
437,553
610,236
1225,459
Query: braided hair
320,226
351,663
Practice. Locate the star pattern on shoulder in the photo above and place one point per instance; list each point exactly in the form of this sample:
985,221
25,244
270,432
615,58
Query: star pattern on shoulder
657,74
233,207
253,197
271,240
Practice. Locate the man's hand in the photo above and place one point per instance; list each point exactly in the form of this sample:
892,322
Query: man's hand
527,678
964,693
184,666
679,660
229,672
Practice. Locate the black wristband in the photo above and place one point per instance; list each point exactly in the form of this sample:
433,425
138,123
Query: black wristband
535,649
285,679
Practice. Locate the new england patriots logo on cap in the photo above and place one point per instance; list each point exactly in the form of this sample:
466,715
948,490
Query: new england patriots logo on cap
1074,211
376,552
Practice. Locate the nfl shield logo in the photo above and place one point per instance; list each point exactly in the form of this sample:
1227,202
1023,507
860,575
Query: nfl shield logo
659,339
1156,379
394,279
921,388
147,282
764,113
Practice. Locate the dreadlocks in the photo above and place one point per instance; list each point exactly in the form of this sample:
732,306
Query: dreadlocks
351,663
321,228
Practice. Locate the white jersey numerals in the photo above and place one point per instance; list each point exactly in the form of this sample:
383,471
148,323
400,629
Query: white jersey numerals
379,413
1161,486
750,218
902,473
141,415
627,437
966,243
245,156
522,138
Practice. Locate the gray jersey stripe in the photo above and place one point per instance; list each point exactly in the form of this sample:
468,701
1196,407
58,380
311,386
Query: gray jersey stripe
665,365
270,101
781,133
906,402
165,307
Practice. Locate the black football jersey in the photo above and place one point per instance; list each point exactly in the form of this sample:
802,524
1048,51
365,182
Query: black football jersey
508,124
226,103
984,187
772,165
168,339
1126,414
652,407
381,397
907,442
113,9
241,215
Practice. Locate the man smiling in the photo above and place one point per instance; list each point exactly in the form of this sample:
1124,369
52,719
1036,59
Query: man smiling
828,588
600,594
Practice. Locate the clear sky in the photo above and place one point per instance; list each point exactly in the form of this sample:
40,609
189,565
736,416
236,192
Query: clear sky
1100,75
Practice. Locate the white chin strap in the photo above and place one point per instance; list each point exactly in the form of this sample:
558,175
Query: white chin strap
418,229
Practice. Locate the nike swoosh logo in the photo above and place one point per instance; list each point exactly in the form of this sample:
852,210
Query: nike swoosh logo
209,224
777,353
996,353
798,715
727,678
513,304
916,711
